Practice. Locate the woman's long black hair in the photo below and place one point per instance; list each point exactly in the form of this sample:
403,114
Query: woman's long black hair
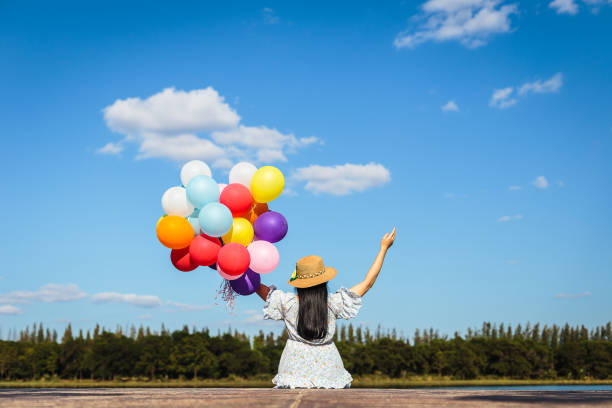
312,312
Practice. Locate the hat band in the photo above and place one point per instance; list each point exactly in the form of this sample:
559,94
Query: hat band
312,275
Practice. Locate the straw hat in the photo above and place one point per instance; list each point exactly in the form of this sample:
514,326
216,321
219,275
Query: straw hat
310,271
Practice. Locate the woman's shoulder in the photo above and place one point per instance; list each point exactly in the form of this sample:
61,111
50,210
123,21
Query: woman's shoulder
277,304
284,297
344,303
343,293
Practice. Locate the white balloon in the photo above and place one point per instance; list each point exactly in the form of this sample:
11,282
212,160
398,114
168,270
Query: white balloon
221,187
192,169
174,202
242,173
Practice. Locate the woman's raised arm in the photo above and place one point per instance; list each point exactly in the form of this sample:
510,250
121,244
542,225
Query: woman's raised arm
263,291
385,243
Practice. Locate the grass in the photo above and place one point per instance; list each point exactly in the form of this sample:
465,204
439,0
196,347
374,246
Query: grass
264,382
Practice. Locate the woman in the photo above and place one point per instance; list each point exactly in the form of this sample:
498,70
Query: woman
310,358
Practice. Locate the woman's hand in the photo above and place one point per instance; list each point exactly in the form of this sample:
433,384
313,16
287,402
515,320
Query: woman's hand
362,287
387,240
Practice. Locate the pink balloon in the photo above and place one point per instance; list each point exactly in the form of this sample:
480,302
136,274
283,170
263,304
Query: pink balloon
226,276
264,256
221,187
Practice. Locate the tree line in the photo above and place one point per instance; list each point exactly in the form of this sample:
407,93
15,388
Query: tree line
522,352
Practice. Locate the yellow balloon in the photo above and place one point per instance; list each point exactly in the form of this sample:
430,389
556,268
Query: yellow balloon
241,232
267,184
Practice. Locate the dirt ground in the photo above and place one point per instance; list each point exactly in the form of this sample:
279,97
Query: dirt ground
270,398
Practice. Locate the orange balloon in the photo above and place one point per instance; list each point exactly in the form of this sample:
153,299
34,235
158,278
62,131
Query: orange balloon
174,232
160,218
256,211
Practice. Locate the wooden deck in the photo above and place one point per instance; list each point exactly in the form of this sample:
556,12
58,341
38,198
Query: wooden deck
270,398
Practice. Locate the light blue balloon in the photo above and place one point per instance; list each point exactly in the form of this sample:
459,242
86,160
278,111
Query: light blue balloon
202,190
215,219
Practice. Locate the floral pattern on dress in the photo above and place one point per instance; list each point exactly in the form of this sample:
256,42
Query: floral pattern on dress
311,363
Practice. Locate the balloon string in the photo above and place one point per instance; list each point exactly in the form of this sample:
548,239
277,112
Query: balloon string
227,295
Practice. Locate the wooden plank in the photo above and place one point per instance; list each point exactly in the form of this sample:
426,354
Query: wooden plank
271,398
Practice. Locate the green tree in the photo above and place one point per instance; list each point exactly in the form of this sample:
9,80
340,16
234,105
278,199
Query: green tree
351,334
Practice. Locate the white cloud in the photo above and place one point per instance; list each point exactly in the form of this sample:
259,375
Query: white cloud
454,195
450,106
268,143
251,317
185,307
502,99
111,148
541,182
507,97
471,22
571,6
269,16
515,188
51,292
223,162
69,292
507,218
146,316
553,84
271,155
289,192
10,310
561,183
572,295
564,6
129,298
185,125
171,112
180,147
596,3
342,179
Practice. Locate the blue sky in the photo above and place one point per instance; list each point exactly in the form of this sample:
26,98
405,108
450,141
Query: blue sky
481,129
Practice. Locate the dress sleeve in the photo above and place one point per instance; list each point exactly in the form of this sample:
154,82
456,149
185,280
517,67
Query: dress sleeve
273,309
345,303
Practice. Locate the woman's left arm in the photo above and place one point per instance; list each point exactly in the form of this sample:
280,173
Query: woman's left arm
385,243
263,291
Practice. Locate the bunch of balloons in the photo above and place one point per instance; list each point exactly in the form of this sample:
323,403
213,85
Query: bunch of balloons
227,227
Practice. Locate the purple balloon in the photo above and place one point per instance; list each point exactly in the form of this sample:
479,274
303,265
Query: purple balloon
270,226
247,283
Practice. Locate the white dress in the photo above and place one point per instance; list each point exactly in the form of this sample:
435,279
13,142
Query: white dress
311,363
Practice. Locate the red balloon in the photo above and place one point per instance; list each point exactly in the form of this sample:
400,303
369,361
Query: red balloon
204,249
181,260
237,198
233,259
